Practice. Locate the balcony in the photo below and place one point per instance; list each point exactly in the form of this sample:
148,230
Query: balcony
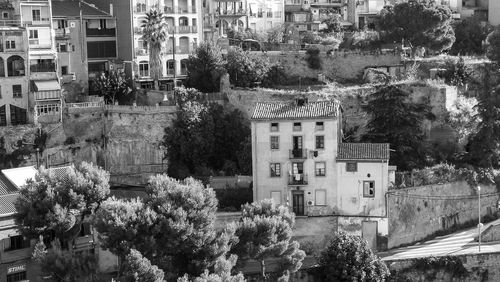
297,179
178,10
103,32
298,154
327,3
40,21
43,67
35,44
10,22
141,52
231,13
62,33
47,95
186,29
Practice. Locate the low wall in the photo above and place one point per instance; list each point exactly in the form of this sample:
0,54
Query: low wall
419,212
476,267
491,234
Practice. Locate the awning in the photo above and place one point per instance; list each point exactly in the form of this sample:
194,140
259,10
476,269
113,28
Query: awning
47,85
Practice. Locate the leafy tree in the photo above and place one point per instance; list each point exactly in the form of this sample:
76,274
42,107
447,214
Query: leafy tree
396,120
265,231
140,268
64,265
493,40
463,118
155,33
246,69
348,258
205,68
57,203
111,85
276,34
313,59
470,34
222,272
457,73
333,22
421,23
173,227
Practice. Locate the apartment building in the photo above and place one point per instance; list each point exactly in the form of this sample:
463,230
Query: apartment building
85,39
299,161
184,19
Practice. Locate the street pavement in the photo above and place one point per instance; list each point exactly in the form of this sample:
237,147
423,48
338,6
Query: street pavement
461,242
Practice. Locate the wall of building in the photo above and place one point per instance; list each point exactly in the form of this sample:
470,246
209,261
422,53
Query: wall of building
263,156
494,12
418,212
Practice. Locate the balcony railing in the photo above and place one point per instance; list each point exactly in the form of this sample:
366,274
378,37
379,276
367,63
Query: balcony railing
10,22
41,21
103,32
298,154
43,68
297,179
178,10
47,95
231,13
62,32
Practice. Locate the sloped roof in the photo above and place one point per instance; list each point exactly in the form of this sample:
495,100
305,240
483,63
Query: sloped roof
290,110
72,9
363,151
7,203
19,176
60,172
6,187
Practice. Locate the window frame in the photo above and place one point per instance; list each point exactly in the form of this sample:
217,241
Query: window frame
347,169
316,197
275,170
271,143
297,126
10,44
18,276
320,126
322,143
17,242
317,172
365,194
15,93
275,127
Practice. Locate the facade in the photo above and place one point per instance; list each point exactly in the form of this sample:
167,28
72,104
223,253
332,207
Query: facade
15,251
299,161
85,40
494,12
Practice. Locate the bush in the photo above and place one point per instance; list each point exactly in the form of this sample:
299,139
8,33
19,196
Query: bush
313,59
231,199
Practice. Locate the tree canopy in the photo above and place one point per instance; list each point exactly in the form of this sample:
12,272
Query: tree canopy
112,86
246,69
420,23
348,258
493,40
265,231
470,33
397,120
205,68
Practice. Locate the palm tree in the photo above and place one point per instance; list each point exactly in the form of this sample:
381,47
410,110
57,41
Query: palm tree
155,33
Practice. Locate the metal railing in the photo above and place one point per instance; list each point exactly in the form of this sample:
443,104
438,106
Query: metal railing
297,179
43,68
85,105
10,22
47,95
239,12
298,154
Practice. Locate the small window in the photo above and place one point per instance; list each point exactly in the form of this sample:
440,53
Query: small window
351,167
17,91
64,70
33,34
275,127
369,189
320,169
276,196
19,276
10,44
297,126
320,197
320,142
320,126
275,142
17,243
275,170
5,15
63,47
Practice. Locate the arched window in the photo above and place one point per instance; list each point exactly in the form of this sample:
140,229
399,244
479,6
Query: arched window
15,66
144,69
170,67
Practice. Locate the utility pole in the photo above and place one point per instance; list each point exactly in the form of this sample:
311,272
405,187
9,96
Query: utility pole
479,225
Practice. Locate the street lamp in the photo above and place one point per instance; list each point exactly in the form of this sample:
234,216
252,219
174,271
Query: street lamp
479,225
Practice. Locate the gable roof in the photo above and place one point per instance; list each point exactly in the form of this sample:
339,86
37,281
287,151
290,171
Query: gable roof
6,187
19,176
290,110
363,151
72,9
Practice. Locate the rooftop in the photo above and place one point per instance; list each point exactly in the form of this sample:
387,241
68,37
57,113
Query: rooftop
72,9
19,176
6,187
363,151
7,204
292,110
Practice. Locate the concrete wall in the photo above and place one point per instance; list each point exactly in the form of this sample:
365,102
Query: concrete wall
494,12
418,212
491,234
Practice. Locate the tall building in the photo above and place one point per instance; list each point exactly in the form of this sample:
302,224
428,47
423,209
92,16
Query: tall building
184,19
85,40
30,87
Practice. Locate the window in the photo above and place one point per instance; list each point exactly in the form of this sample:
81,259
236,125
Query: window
275,142
63,47
269,12
33,34
276,196
18,115
275,170
14,277
260,13
5,15
297,126
17,91
275,127
351,167
35,15
320,142
320,168
369,189
320,197
143,68
64,70
17,243
85,229
101,49
320,126
10,44
277,14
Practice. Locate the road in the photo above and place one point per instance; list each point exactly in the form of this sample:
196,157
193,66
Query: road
461,242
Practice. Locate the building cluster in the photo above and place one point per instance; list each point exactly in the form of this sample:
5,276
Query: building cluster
47,43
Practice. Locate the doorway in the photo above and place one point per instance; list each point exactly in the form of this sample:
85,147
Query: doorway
298,202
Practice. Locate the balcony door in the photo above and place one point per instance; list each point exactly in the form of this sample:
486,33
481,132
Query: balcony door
298,202
297,143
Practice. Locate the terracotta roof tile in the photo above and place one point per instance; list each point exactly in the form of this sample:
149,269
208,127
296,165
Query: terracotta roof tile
7,203
290,110
6,187
363,151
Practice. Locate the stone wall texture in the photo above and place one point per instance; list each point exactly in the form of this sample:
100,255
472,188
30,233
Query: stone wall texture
419,212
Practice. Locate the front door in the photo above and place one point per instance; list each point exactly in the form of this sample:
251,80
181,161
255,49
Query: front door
298,203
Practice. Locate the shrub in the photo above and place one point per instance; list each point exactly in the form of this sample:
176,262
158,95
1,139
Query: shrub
232,199
313,59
